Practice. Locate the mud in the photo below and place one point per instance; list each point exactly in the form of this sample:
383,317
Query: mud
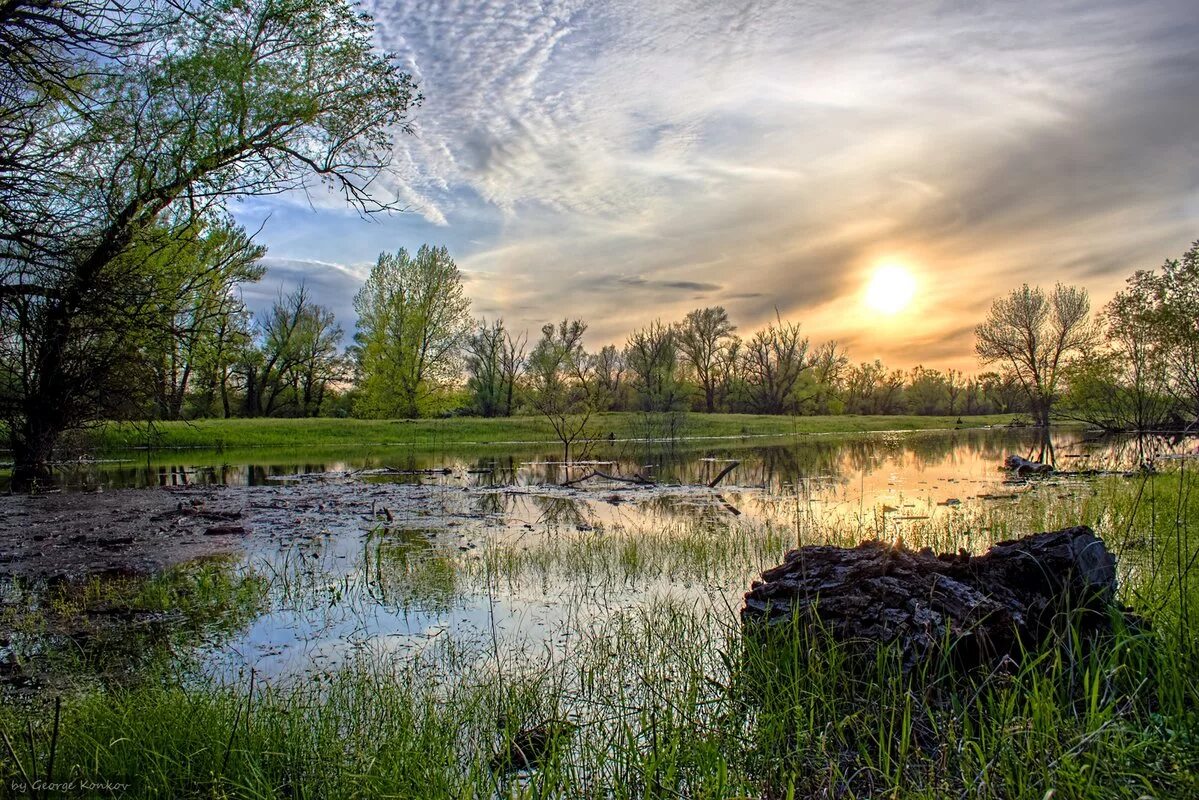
143,531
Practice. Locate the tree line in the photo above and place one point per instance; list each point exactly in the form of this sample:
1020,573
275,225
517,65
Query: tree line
127,127
417,351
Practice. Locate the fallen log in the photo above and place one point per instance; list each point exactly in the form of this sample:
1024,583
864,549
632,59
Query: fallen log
1021,465
732,466
983,607
636,480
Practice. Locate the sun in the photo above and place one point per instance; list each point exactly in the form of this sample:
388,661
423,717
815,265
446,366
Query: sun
891,289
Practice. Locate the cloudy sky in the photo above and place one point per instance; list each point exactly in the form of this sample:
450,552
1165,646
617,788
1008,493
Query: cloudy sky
629,160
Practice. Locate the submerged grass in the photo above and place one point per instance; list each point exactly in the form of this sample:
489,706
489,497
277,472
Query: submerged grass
667,698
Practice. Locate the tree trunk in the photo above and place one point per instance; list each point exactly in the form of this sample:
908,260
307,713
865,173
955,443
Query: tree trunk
33,450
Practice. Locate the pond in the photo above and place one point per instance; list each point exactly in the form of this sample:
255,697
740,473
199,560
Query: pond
390,617
380,551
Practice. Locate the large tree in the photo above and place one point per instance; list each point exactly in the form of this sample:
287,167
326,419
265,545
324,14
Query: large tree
413,318
229,98
773,361
1033,335
703,339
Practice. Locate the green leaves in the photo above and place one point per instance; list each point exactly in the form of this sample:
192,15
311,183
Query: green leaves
413,318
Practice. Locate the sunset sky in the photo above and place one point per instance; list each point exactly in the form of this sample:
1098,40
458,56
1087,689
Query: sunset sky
625,161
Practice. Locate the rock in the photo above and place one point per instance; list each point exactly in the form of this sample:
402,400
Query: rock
1020,466
992,605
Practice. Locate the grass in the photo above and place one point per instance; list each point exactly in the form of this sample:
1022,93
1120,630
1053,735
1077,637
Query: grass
441,433
664,697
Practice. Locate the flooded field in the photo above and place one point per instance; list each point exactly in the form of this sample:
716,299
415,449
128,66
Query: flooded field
377,551
453,570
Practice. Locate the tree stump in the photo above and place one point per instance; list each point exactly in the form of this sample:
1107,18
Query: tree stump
984,607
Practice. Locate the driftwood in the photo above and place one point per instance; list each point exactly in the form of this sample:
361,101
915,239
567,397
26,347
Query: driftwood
1020,466
985,607
723,472
638,480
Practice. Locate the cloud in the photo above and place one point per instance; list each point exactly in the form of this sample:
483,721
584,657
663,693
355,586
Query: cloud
623,161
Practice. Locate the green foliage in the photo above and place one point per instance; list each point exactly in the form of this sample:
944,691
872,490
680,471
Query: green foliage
561,385
230,99
412,318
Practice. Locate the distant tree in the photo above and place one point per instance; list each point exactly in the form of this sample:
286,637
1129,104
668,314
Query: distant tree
774,359
927,392
1034,335
703,339
610,368
829,363
318,361
296,360
955,385
651,354
655,376
493,362
204,278
1001,393
560,382
861,387
413,317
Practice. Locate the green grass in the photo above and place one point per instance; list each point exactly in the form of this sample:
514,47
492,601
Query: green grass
440,433
666,698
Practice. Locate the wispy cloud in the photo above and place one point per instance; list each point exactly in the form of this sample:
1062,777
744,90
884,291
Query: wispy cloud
623,160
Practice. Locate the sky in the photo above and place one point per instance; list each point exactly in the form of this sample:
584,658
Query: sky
626,161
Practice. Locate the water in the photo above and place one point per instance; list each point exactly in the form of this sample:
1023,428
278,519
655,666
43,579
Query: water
489,549
493,548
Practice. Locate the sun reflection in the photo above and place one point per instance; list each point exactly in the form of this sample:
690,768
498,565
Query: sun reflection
891,288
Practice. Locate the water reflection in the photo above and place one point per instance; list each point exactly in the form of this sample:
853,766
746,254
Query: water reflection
771,465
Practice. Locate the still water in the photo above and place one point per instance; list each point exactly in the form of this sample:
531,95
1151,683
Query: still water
387,552
492,548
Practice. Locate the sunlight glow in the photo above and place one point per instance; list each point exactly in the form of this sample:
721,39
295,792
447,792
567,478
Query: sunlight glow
891,289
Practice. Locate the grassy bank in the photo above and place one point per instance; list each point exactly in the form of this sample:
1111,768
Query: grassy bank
665,698
438,433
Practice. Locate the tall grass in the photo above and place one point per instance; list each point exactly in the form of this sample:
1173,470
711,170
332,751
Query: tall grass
668,698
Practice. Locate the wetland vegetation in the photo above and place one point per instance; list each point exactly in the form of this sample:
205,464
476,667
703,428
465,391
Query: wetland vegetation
434,553
465,636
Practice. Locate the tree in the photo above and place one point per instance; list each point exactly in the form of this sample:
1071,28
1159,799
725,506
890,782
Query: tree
773,361
652,358
1124,384
928,392
560,381
1176,319
703,340
413,317
609,368
198,300
493,362
829,363
232,98
1034,335
296,360
651,354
